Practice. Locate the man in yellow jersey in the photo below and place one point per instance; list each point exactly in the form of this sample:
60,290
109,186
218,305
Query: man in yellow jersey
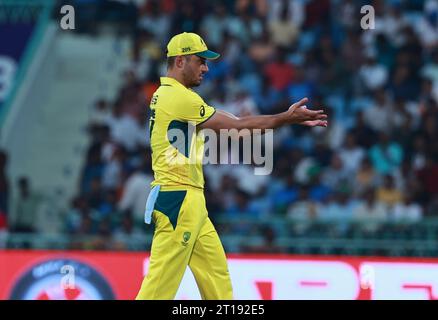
184,235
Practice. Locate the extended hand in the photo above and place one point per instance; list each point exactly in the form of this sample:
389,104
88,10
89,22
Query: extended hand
299,114
315,123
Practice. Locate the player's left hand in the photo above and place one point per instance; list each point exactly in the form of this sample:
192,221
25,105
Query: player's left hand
315,123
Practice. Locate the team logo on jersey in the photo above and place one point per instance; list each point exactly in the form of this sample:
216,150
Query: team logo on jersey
202,111
44,281
186,238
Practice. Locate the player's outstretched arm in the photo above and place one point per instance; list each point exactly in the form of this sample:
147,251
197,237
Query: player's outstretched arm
296,114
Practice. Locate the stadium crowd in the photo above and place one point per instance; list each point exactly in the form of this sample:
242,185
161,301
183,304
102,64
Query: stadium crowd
376,162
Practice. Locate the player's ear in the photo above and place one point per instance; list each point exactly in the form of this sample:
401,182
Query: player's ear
179,61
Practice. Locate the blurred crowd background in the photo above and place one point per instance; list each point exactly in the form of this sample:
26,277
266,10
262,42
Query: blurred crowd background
372,175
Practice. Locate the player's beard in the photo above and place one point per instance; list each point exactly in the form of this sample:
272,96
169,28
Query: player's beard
191,78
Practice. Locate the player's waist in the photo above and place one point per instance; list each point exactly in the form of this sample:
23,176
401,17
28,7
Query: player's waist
178,187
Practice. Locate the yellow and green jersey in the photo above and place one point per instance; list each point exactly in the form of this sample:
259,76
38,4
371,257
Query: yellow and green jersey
177,148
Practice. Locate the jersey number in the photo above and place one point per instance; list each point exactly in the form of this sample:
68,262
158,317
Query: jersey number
151,122
152,118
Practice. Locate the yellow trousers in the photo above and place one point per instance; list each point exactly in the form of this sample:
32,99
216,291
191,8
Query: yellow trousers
184,236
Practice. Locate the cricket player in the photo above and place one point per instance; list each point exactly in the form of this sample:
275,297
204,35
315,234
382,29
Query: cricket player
184,235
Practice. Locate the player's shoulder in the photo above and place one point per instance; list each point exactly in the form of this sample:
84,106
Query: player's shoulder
170,96
177,91
195,97
186,97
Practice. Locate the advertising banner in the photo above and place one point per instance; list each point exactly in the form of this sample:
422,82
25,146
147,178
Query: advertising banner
52,275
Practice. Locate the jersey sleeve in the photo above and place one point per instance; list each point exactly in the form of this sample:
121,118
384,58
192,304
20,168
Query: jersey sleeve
195,110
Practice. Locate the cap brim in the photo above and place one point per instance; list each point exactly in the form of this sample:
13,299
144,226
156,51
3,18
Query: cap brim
208,54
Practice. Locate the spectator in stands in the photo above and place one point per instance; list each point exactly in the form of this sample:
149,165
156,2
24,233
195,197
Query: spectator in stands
319,191
351,154
386,155
81,217
429,130
404,84
430,70
407,211
365,178
353,53
154,20
96,194
372,74
428,178
300,86
336,174
108,207
113,169
104,238
262,49
285,195
427,27
280,72
334,134
322,154
242,104
266,98
386,51
101,113
245,27
294,10
338,212
406,181
370,214
127,233
365,135
418,151
379,115
26,208
239,205
432,207
334,77
284,30
394,23
187,18
215,24
401,117
147,53
238,211
303,212
387,193
92,169
135,190
267,246
126,130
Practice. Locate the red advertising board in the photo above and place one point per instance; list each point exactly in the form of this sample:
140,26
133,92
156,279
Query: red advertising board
118,275
101,275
